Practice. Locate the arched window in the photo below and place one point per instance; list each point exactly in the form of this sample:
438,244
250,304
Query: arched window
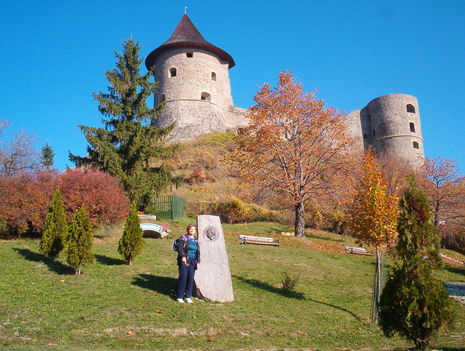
410,108
162,98
189,54
214,76
374,132
415,145
205,96
173,72
412,127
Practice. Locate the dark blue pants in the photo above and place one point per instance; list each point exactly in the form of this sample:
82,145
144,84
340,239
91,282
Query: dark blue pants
186,279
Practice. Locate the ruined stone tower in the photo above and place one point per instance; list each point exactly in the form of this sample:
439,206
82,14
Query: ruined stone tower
193,82
390,124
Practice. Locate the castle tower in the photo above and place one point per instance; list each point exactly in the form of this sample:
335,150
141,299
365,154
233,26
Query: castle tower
390,124
193,82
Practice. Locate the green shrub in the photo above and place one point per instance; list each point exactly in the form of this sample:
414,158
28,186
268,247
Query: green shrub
289,281
131,243
55,228
79,243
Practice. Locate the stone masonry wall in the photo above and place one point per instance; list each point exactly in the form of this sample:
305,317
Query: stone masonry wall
391,125
198,98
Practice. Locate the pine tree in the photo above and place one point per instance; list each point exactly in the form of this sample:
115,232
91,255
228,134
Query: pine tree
79,252
414,303
47,156
373,219
55,228
129,146
131,243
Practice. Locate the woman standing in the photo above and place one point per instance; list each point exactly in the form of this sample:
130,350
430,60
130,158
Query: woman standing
188,256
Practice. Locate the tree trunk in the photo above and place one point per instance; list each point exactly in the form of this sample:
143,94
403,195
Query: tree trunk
299,219
378,285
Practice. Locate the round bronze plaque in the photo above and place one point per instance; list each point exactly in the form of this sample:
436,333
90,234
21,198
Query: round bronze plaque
211,233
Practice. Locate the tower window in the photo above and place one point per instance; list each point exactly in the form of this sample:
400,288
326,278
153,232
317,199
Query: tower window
162,98
369,118
173,72
365,136
374,132
189,54
205,96
410,108
412,127
415,145
214,76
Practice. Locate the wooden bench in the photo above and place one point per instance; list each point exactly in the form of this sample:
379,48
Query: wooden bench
258,240
357,251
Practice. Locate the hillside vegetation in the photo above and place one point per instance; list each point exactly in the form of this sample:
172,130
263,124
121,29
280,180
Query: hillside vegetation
207,178
120,307
211,187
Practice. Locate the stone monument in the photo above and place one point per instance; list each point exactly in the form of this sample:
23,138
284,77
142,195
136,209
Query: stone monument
213,277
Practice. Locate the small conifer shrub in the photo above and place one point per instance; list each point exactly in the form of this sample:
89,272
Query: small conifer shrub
55,229
414,303
80,240
289,282
131,243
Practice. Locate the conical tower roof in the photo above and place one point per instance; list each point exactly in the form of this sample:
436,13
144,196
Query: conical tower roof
186,35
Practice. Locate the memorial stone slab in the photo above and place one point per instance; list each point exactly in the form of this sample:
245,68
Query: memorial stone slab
213,277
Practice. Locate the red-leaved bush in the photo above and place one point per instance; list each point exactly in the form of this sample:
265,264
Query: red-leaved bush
24,198
100,193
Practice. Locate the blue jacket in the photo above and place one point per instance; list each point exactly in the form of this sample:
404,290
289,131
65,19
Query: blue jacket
182,250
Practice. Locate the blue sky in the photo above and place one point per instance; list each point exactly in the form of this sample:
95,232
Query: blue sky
55,54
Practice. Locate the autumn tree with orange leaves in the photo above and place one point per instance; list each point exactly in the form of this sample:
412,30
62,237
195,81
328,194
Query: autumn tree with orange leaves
293,145
373,218
445,189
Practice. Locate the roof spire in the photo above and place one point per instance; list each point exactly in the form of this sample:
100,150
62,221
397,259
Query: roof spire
186,35
185,10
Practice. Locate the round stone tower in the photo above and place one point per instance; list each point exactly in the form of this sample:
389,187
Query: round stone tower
391,125
193,82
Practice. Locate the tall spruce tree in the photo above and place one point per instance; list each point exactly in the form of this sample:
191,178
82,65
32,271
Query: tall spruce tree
414,303
55,229
129,145
80,239
131,243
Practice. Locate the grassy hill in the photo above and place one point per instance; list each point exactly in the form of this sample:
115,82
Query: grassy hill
208,179
119,307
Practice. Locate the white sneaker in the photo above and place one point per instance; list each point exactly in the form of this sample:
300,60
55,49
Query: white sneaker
180,300
189,300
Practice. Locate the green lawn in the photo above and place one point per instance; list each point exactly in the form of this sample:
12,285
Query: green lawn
113,306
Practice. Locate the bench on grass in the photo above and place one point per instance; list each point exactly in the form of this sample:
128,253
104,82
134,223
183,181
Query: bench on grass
258,240
357,251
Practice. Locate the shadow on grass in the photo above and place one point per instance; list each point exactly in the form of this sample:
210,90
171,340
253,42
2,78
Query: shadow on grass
291,294
455,269
54,266
109,261
265,286
163,285
336,307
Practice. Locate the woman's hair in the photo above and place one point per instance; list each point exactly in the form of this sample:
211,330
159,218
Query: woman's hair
190,226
